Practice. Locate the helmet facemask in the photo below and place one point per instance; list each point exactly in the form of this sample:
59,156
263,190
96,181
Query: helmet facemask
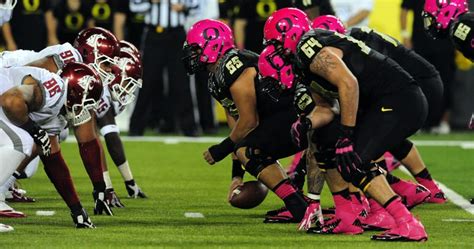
79,113
124,90
193,58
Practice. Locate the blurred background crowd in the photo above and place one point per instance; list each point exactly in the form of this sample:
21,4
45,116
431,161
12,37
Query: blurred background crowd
170,102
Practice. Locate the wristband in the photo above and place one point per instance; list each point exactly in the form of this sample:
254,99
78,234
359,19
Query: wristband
347,131
31,127
405,34
220,151
237,170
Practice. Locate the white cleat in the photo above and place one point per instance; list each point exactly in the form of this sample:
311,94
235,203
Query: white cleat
5,228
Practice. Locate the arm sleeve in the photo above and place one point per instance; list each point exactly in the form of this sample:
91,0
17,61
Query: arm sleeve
407,4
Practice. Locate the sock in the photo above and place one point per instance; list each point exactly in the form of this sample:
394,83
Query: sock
107,180
293,200
314,196
401,186
344,207
4,188
374,205
90,154
395,207
125,171
391,179
58,172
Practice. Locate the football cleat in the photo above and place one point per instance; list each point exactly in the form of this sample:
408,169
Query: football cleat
313,217
406,230
82,220
438,198
378,219
112,199
134,190
276,211
100,204
338,226
412,194
18,195
284,216
5,228
9,212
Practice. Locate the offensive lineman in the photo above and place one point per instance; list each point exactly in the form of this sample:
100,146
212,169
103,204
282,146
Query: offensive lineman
357,76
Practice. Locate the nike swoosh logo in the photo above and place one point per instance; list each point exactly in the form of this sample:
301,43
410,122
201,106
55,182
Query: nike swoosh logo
383,109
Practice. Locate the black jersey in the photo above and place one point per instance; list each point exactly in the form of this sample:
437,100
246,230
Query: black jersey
462,35
413,63
228,71
70,22
102,11
230,67
377,74
325,7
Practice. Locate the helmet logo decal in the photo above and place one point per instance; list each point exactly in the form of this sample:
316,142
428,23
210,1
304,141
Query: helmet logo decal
92,40
284,25
210,34
84,82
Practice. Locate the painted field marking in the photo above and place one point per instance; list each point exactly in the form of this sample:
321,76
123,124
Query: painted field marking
457,220
193,215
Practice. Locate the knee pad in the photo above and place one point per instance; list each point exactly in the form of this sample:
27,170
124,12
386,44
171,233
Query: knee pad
362,179
257,161
32,167
325,158
111,128
401,151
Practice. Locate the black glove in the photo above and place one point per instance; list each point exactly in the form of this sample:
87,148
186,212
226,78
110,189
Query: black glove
303,101
39,135
298,131
220,151
237,170
347,160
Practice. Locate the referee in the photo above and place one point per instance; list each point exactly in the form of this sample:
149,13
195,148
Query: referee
163,40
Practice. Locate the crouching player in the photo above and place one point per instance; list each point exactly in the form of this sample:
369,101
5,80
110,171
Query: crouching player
260,126
33,99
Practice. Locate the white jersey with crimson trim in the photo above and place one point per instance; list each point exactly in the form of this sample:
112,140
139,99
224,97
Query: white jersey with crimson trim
54,91
62,54
106,103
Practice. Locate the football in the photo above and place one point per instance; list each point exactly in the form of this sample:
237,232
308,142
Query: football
250,195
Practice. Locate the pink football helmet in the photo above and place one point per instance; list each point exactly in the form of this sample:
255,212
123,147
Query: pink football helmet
329,22
439,14
128,77
207,41
98,48
276,71
84,91
286,26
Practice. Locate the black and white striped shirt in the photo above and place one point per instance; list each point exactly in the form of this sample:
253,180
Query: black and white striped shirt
161,13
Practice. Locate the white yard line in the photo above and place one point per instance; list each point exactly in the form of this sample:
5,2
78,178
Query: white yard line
193,215
454,197
182,139
457,220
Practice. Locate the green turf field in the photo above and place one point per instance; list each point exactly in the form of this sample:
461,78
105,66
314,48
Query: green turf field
177,180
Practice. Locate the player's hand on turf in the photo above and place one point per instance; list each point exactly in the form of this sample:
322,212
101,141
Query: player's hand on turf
347,160
298,131
112,199
303,101
100,205
236,182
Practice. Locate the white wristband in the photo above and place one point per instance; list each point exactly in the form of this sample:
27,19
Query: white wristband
405,34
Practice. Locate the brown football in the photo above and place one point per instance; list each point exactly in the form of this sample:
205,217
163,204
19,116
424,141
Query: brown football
250,195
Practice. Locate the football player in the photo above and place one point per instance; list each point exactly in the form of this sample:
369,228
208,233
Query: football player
259,125
370,88
34,104
118,94
430,83
97,47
